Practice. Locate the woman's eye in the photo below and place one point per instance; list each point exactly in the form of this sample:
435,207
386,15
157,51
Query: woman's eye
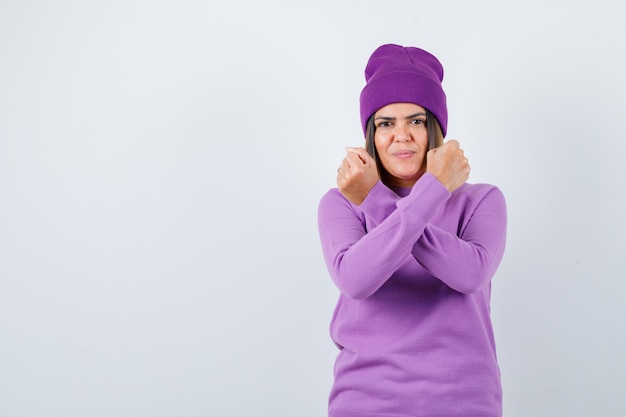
418,121
384,124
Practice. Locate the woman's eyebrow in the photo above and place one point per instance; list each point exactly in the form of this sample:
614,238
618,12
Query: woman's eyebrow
415,115
406,118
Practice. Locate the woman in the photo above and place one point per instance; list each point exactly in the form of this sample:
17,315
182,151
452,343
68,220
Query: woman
412,249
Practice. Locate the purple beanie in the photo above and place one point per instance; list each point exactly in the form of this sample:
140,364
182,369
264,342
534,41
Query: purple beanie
397,74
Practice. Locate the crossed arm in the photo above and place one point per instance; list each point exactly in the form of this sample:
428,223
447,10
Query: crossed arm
360,261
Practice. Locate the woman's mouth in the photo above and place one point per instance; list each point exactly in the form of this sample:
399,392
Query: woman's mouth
403,154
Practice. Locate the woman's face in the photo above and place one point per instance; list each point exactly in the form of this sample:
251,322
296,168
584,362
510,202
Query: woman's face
401,141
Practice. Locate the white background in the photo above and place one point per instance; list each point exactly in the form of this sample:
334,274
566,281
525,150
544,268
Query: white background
161,164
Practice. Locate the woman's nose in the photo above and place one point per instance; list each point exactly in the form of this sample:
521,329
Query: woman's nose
402,134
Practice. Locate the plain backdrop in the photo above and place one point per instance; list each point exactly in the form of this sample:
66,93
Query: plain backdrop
161,163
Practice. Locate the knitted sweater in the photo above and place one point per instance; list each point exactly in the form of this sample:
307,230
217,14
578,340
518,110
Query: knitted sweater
413,267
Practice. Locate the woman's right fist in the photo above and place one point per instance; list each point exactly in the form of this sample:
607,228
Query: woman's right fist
448,164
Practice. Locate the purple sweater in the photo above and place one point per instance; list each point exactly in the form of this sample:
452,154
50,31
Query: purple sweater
413,267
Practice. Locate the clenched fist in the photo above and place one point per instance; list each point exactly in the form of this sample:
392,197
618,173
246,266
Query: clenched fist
356,175
448,164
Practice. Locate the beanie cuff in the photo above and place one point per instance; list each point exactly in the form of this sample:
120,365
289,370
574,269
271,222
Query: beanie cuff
403,87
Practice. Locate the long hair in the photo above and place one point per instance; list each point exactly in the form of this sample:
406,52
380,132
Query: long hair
434,134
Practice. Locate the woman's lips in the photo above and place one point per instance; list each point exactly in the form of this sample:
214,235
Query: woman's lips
404,154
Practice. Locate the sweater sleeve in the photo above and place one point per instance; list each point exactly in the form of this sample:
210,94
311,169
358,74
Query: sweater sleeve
379,203
468,261
361,261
